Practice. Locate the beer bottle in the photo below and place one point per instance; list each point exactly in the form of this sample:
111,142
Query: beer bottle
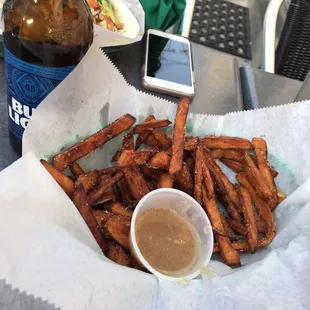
43,41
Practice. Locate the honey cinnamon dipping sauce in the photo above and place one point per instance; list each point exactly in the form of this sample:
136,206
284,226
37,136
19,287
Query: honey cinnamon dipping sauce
167,241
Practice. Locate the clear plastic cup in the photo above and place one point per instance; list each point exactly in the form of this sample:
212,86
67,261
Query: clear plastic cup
190,210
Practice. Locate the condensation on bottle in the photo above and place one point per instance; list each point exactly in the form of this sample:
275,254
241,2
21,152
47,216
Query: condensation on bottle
43,41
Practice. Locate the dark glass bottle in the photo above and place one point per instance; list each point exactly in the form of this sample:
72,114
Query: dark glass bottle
43,41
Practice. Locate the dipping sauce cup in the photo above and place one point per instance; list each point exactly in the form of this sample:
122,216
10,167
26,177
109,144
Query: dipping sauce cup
197,219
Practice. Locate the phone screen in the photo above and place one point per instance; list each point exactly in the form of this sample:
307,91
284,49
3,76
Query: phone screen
169,60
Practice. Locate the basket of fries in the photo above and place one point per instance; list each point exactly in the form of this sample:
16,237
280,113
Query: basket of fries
102,150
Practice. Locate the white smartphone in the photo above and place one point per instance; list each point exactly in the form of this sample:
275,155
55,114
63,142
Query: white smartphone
168,66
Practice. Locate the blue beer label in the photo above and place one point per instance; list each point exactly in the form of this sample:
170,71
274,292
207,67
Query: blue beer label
28,85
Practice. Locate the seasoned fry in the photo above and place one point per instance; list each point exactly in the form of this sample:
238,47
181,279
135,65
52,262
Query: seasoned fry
88,145
233,165
220,178
198,174
65,182
101,216
163,139
227,228
136,182
206,176
153,124
261,227
165,181
184,181
263,210
81,202
76,169
191,164
214,142
237,226
228,253
110,170
118,228
256,178
118,208
124,191
89,180
127,145
191,143
144,134
227,154
161,160
132,158
151,173
96,193
223,195
152,142
250,223
260,148
178,140
117,254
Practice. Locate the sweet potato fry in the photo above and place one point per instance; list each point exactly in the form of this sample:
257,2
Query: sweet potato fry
96,193
233,165
118,208
89,180
256,178
236,155
215,142
227,228
223,195
127,144
81,202
124,191
65,182
101,216
191,164
118,228
136,182
220,178
152,142
260,148
88,145
207,179
237,226
191,143
262,208
133,158
165,181
76,169
198,174
153,124
261,227
117,254
229,254
184,181
161,160
110,170
250,223
163,139
178,140
151,173
144,134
